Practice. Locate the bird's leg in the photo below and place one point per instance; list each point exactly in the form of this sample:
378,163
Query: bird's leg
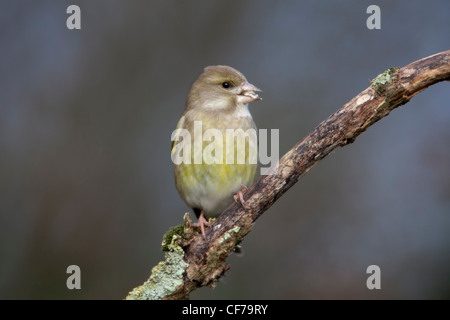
240,196
202,222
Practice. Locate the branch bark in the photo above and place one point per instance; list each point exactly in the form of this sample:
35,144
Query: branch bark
192,262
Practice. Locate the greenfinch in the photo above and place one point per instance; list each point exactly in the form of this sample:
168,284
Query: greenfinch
217,111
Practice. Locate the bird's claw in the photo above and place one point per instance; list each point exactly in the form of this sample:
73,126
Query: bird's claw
240,196
202,222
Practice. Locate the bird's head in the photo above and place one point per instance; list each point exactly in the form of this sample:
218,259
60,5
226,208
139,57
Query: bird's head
220,87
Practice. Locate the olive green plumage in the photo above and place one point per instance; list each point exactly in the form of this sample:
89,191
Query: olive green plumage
218,100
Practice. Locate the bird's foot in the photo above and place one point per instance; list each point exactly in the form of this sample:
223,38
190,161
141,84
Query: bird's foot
202,223
240,196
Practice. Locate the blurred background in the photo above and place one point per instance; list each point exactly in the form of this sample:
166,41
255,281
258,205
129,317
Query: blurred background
86,118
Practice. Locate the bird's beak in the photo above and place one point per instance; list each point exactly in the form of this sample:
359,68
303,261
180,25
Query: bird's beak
248,93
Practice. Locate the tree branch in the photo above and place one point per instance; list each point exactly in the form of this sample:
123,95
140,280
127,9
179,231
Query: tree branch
192,262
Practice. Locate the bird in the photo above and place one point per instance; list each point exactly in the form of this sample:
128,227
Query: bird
216,105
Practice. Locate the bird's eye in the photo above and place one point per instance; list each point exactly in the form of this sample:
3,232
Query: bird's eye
226,84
